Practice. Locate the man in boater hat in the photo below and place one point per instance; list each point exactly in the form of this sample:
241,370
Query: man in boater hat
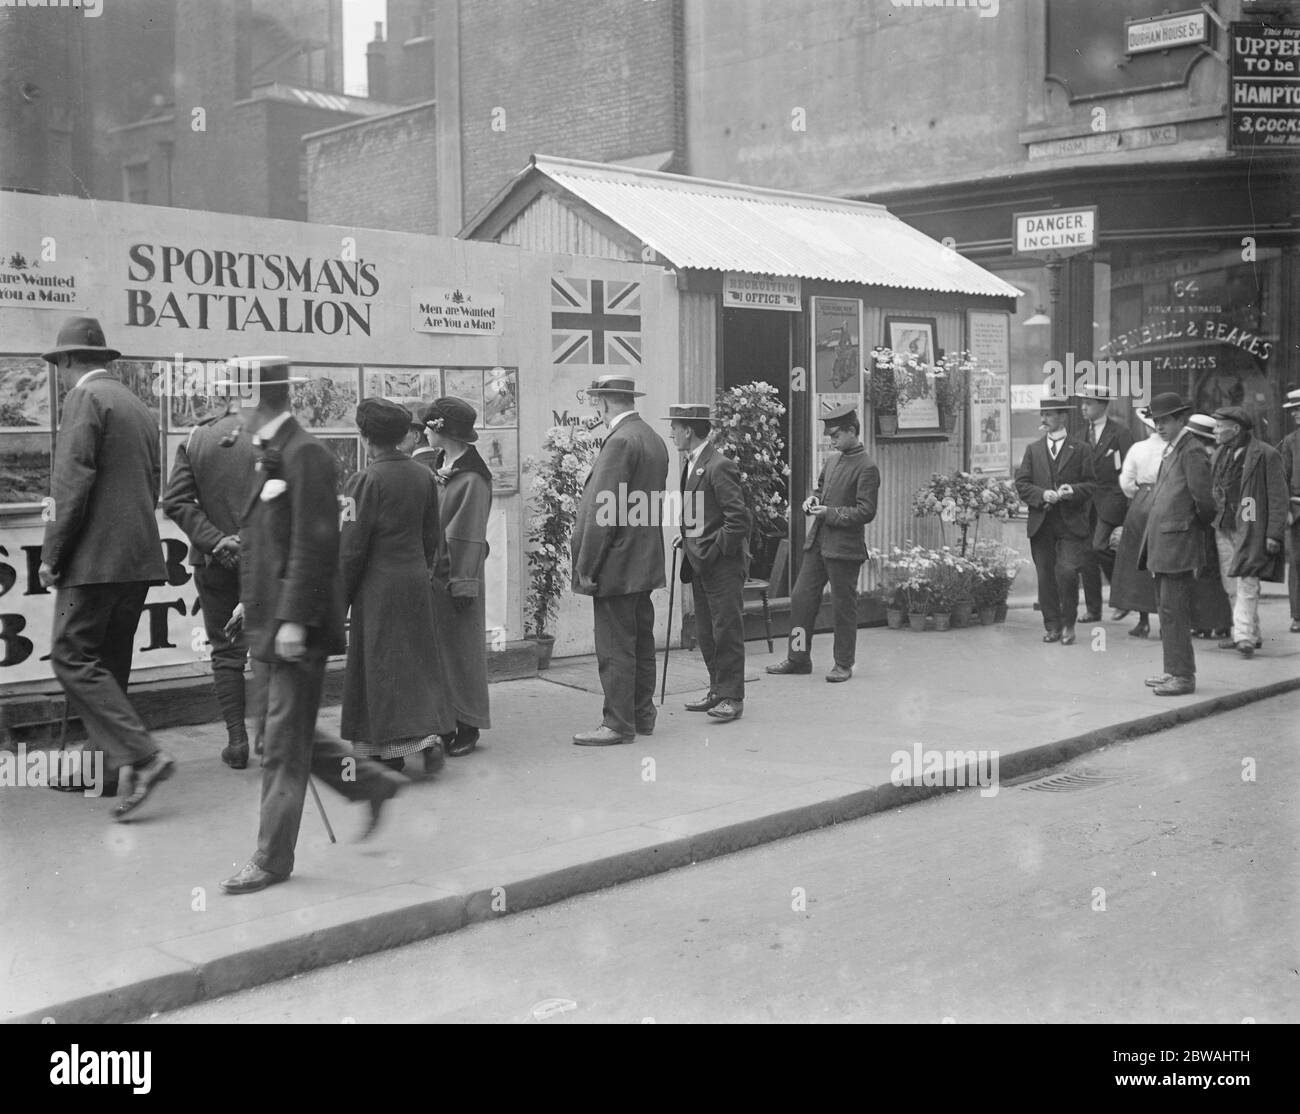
618,560
715,554
102,550
1289,448
1108,442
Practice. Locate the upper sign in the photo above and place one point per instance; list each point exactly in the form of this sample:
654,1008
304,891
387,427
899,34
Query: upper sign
1166,31
1264,67
1058,232
741,291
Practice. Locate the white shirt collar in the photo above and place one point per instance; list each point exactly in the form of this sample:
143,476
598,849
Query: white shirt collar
694,458
89,374
1099,425
271,428
613,422
1057,435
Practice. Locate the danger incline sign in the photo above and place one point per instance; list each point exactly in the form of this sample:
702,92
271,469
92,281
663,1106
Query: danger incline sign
1059,231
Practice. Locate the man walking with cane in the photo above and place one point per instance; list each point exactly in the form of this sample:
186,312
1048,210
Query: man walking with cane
715,552
618,560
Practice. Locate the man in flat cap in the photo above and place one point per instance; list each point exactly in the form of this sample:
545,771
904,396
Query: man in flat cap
1289,449
618,559
102,551
291,607
1055,481
1175,540
1250,511
841,505
715,555
1108,444
205,497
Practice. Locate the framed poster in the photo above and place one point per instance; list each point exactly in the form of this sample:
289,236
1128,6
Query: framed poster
328,401
990,393
913,339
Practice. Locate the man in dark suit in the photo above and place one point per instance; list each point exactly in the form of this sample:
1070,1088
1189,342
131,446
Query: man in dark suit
1055,481
205,497
1289,448
1176,539
715,555
1108,444
841,505
291,608
102,551
618,558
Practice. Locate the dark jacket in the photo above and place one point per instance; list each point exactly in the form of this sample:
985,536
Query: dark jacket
715,516
618,544
1289,450
1263,481
1110,502
1182,508
848,487
1038,473
289,547
466,503
209,484
105,488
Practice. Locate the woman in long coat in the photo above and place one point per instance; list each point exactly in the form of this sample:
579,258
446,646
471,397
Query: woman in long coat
465,497
393,701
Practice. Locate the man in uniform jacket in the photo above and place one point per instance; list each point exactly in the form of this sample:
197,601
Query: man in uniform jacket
1055,481
291,606
1250,501
1175,541
1108,443
715,555
205,497
841,505
102,551
1289,449
618,559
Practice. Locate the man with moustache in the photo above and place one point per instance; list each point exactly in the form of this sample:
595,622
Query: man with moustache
1175,540
715,553
1055,481
1108,443
291,606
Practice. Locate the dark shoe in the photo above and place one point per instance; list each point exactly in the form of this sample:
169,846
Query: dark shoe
235,755
1118,615
1246,649
1176,686
434,756
251,879
1091,617
1223,634
602,737
783,667
727,710
839,673
1227,644
377,805
1295,627
1067,636
465,740
645,728
1158,680
144,778
1142,630
1052,636
704,703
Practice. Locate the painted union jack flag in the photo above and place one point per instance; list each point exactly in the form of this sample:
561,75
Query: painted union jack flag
595,321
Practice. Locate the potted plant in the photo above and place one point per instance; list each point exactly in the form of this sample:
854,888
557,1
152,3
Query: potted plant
1001,563
889,386
913,568
747,428
952,386
951,588
888,590
554,493
962,499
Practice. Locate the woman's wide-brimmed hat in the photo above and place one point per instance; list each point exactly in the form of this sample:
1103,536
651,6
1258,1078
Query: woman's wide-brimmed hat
1167,405
452,417
83,335
614,385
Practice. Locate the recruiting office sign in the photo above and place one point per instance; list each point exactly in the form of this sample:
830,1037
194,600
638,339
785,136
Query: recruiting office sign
1264,75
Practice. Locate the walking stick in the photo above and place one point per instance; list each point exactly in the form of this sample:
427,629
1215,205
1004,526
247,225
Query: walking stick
668,641
316,797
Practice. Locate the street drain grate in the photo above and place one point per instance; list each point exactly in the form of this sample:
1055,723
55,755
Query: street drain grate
1068,783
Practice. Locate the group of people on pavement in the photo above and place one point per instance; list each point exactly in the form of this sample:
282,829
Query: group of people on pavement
1186,524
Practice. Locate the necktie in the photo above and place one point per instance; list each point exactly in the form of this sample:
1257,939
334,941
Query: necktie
1092,435
1054,447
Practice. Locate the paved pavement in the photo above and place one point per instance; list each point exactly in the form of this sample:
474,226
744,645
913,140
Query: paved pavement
106,921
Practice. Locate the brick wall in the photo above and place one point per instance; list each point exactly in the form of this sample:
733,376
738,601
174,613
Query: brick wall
587,79
378,174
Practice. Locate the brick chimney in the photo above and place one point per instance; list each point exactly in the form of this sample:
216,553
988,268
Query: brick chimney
377,66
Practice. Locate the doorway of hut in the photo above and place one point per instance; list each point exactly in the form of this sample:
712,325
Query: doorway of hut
758,346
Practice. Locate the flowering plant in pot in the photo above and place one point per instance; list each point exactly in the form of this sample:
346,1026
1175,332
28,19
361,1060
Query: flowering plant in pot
962,499
748,421
999,564
952,375
893,381
556,488
952,582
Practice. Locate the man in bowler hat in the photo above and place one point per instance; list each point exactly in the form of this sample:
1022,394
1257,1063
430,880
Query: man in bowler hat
1055,481
291,607
714,541
618,560
1108,444
841,505
102,551
1174,544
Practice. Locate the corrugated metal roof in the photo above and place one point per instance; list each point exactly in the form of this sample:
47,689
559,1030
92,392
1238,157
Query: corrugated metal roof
722,226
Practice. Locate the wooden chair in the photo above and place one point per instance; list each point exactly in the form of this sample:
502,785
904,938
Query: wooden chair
780,565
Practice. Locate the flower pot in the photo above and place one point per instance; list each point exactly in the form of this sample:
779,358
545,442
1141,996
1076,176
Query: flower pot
894,619
916,620
987,616
1000,613
942,620
961,613
545,646
888,424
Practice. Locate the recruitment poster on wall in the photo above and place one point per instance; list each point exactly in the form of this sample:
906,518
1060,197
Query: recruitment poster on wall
837,366
990,394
